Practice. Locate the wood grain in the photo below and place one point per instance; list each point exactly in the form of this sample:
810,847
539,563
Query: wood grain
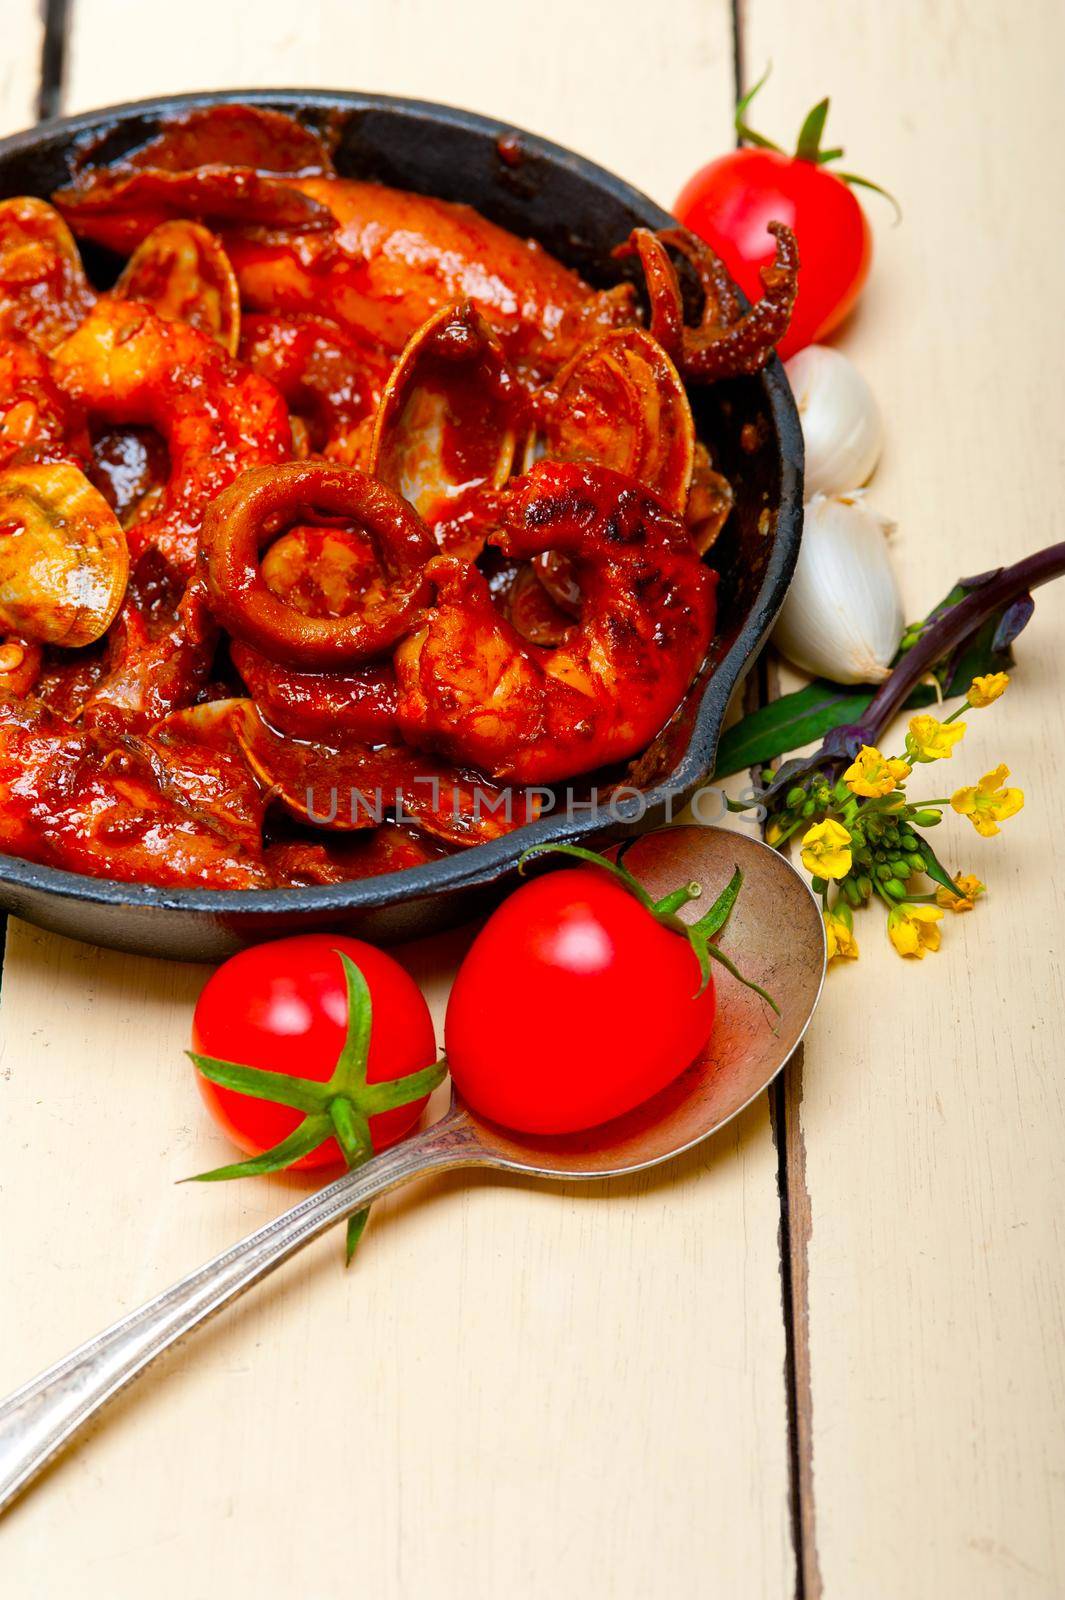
932,1114
566,1391
20,63
611,82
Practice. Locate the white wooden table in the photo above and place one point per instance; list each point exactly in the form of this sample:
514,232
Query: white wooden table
694,1383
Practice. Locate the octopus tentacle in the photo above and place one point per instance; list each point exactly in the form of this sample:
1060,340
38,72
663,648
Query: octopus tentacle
472,687
728,341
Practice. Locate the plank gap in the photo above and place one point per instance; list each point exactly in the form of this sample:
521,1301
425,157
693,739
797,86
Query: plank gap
784,1096
739,65
53,57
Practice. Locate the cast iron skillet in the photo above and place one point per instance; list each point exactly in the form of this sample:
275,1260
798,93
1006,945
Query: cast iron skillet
579,212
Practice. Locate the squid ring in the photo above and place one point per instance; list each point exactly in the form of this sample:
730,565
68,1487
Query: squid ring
255,508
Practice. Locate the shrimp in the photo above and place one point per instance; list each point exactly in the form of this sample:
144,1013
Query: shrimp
472,688
126,364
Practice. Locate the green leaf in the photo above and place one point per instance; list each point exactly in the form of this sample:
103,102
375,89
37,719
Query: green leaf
353,1136
279,1087
748,135
701,949
352,1131
580,854
378,1097
349,1074
714,920
311,1132
809,145
853,179
356,1225
936,870
730,966
787,724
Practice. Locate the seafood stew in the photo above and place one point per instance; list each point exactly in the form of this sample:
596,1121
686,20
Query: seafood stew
459,550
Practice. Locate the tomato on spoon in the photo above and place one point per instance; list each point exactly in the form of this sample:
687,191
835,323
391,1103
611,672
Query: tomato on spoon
582,997
730,201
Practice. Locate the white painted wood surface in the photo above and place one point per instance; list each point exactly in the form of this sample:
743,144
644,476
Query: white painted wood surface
516,1390
932,1111
20,64
575,1392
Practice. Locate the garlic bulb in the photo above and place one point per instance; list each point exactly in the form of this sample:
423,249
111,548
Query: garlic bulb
841,424
842,618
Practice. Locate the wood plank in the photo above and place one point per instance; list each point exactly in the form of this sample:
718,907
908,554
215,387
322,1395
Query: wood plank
926,1148
611,87
557,1390
20,64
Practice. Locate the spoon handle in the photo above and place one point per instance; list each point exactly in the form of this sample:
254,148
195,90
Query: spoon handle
38,1419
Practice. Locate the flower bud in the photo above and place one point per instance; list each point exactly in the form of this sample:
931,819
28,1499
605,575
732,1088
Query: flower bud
917,860
795,797
927,819
896,889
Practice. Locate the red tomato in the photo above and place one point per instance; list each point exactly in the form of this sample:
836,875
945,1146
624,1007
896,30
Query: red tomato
573,1005
283,1007
728,203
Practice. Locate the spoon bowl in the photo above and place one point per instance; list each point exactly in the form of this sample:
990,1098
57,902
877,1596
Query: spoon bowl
776,934
775,930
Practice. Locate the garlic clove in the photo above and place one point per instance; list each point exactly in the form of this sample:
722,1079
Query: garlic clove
841,424
842,618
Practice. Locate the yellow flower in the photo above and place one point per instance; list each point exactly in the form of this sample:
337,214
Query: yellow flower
873,775
987,688
826,850
987,803
774,831
839,936
932,740
913,929
971,890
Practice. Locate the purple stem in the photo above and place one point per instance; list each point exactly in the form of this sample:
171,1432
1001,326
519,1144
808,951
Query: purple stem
997,589
993,592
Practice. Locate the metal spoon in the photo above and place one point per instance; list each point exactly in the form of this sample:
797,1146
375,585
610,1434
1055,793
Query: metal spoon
777,933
